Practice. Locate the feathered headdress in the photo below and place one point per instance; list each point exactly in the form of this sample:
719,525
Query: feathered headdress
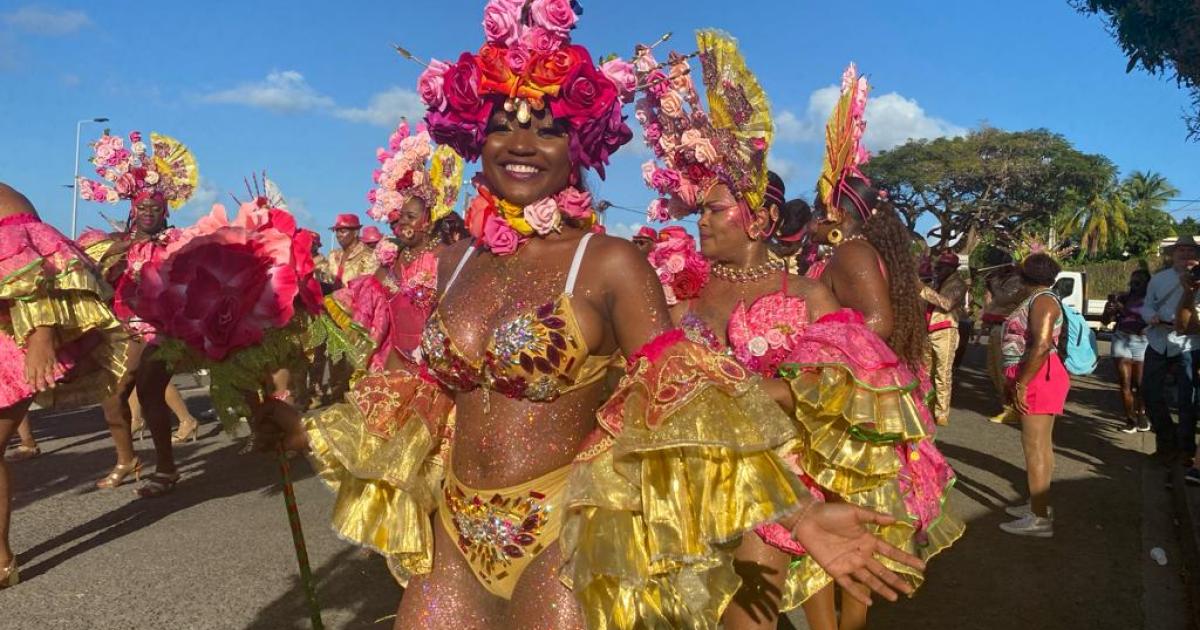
1030,243
698,149
165,170
405,173
844,151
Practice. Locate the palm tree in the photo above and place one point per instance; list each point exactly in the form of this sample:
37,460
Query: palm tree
1147,192
1103,217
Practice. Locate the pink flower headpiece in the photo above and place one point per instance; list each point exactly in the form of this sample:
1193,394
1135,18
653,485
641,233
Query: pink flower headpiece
698,149
164,170
402,173
527,64
680,267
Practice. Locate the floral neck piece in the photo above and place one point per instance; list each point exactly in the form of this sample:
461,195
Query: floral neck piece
503,227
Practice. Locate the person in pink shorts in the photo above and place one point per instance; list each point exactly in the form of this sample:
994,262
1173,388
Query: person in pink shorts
1038,383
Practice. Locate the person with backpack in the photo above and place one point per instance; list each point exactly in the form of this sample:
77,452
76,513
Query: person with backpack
1038,383
1170,352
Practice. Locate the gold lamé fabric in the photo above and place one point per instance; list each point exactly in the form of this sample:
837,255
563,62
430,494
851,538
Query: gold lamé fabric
682,466
72,300
848,433
382,453
357,261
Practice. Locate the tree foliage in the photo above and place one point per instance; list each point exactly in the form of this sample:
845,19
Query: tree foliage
989,182
1160,36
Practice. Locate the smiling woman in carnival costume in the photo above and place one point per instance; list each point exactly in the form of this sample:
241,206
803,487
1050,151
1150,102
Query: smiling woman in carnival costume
394,302
879,455
59,343
155,178
558,502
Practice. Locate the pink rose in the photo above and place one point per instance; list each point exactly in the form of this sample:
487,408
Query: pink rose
657,83
104,152
135,136
501,23
670,104
657,212
652,132
648,169
126,185
542,41
644,60
518,58
676,263
623,75
543,216
664,180
386,252
553,15
775,338
575,203
499,236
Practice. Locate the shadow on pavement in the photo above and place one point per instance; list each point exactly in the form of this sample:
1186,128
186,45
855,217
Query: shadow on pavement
354,582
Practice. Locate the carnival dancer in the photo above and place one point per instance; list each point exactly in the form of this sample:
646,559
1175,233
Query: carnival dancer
645,239
155,178
370,237
413,196
352,259
944,303
59,342
632,502
886,463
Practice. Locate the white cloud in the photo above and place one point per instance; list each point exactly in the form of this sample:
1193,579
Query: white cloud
783,167
42,21
207,193
892,119
282,91
622,230
386,108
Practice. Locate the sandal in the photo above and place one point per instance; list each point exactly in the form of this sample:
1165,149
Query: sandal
22,453
119,473
184,434
157,485
9,576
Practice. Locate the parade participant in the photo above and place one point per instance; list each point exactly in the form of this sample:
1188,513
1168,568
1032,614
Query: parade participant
1004,293
1129,347
944,303
59,343
1038,384
645,239
452,229
413,196
352,258
155,178
890,465
28,447
553,507
371,236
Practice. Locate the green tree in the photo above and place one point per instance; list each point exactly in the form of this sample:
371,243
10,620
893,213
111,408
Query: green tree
1102,221
1187,226
1148,191
989,183
1160,36
1147,228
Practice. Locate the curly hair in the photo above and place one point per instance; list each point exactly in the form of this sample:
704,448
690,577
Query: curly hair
892,239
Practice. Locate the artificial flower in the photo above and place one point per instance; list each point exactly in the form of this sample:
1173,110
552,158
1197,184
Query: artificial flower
554,15
543,216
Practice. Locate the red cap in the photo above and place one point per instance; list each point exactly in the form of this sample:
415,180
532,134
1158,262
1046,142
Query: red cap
346,221
647,232
370,235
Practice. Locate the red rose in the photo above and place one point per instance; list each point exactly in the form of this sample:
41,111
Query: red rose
586,94
462,90
495,75
699,173
689,283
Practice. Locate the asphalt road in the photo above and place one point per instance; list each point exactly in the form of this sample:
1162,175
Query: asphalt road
217,553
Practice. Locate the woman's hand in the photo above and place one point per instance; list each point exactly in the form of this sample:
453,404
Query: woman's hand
836,536
40,359
277,424
1018,397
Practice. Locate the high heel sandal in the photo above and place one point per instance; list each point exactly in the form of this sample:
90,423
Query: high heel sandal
119,473
22,453
9,576
157,485
180,436
138,426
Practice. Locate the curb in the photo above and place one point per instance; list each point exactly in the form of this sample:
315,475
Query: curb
1187,516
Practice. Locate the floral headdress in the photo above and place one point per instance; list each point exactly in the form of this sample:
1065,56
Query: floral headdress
728,144
680,267
165,170
1030,243
527,64
844,152
404,174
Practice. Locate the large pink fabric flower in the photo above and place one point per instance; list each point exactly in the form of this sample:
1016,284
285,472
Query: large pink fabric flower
431,85
502,240
501,22
575,203
554,15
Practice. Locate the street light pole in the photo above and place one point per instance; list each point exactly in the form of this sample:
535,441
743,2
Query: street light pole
75,182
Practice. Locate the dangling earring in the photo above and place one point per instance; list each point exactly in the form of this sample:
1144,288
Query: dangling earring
835,237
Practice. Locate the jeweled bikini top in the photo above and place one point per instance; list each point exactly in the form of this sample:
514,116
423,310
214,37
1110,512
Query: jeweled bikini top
538,356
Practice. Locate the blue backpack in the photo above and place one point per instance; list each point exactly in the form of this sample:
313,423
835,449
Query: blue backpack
1076,342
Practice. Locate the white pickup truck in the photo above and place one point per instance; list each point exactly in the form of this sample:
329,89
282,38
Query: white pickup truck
1072,287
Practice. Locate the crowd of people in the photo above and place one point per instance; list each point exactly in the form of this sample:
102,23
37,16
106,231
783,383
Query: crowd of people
534,422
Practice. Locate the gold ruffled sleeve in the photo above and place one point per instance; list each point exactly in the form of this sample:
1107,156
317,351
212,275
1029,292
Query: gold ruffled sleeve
72,301
682,466
382,453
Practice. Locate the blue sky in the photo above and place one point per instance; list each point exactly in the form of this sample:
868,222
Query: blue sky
307,90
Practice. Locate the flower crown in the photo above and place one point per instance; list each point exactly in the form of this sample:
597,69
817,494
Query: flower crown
404,175
728,144
844,152
165,170
527,64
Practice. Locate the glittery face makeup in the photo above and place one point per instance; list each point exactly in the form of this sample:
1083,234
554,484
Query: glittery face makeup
526,162
722,224
411,223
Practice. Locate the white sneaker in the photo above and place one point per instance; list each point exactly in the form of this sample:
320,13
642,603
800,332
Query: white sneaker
1023,510
1030,525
